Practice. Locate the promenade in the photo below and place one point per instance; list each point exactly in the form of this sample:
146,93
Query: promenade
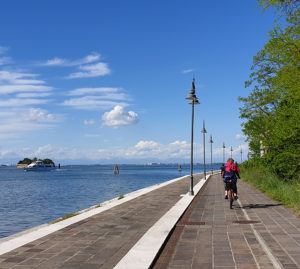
257,233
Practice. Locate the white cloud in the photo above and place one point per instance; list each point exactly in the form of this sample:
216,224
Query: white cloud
142,151
146,144
5,60
187,71
99,98
55,61
17,102
33,94
3,49
119,117
93,70
94,57
8,89
89,122
91,103
84,91
240,137
19,78
22,121
38,115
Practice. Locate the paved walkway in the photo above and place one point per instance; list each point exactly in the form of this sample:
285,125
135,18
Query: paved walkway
208,235
102,240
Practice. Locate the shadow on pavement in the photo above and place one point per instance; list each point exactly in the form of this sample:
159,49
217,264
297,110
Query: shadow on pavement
258,206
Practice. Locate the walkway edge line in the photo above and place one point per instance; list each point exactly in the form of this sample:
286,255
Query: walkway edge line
14,241
262,242
142,254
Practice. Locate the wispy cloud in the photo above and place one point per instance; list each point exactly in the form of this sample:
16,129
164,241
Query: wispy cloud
119,117
22,121
91,103
5,60
3,49
19,78
97,98
94,57
85,91
33,95
93,70
89,122
21,92
17,102
240,137
186,71
7,89
89,66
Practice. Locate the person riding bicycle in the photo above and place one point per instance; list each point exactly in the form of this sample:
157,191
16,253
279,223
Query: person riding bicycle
222,170
231,172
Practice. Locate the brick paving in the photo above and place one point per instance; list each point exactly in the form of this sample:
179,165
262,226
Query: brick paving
101,240
209,236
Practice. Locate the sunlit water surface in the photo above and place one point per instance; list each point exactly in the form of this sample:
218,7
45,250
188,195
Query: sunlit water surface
28,199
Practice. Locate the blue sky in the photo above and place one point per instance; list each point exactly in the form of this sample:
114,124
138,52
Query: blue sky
105,81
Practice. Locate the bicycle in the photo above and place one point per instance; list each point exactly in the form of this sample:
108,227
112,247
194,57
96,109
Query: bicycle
229,185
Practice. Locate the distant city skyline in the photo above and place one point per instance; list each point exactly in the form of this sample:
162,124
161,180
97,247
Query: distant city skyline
92,82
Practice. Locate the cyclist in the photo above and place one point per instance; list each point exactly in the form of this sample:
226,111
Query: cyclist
222,170
232,172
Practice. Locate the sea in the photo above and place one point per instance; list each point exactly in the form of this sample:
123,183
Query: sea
29,199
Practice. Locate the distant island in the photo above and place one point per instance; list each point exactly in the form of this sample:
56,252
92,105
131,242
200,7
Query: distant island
26,161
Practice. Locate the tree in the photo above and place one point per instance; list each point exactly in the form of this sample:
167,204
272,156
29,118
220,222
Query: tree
272,110
25,161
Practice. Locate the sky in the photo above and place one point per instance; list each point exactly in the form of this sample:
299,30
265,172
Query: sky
98,82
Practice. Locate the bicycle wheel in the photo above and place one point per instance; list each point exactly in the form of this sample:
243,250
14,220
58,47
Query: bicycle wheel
231,197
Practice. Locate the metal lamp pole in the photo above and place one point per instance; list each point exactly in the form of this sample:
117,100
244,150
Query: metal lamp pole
223,153
194,101
211,142
231,152
204,132
241,155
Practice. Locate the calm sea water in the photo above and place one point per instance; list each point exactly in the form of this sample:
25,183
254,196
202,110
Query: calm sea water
28,199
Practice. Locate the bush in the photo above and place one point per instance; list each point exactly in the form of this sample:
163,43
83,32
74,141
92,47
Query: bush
286,192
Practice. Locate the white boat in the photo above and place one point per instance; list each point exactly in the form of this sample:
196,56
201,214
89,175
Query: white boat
39,166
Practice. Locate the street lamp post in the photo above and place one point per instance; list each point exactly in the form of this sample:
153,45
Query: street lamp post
194,101
211,142
204,132
231,151
223,153
241,155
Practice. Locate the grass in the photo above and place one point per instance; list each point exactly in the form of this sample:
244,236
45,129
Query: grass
121,197
70,215
286,192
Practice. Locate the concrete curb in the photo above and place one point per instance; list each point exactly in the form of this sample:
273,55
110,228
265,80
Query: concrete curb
145,250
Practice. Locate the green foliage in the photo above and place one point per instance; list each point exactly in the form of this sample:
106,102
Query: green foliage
272,110
25,161
47,161
121,197
67,216
29,161
285,192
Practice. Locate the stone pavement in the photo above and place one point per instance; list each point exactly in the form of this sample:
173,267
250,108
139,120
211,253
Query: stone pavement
257,233
102,240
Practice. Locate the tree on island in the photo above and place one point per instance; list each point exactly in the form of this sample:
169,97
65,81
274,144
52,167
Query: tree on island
29,161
